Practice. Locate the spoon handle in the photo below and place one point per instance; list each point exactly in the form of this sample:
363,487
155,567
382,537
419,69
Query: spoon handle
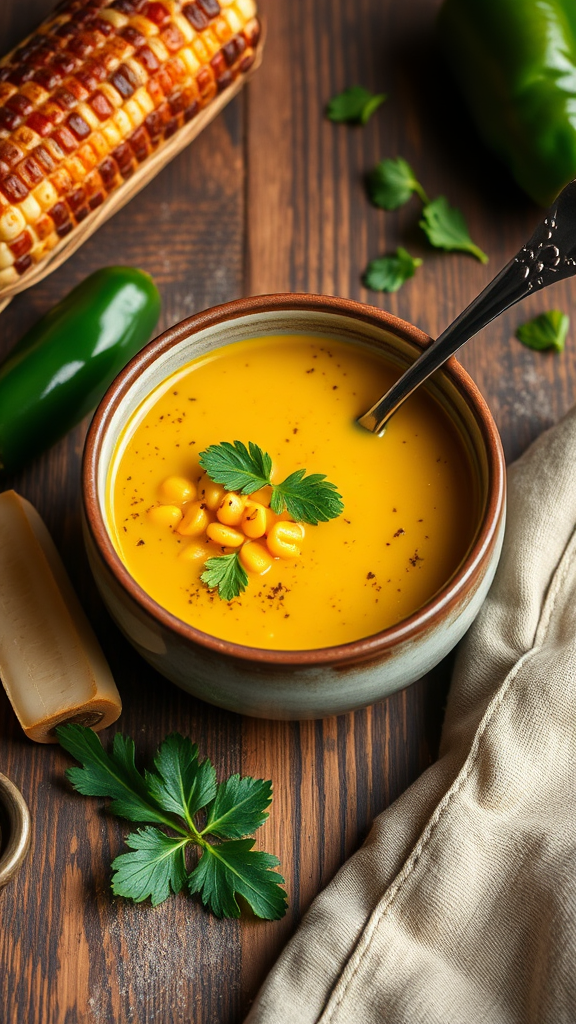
548,256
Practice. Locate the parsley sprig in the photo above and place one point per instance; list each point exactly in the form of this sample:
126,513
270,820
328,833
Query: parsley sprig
228,574
308,499
182,794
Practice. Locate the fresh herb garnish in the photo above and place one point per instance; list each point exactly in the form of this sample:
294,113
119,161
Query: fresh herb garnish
389,273
446,228
355,105
183,795
228,574
548,330
309,499
392,183
237,467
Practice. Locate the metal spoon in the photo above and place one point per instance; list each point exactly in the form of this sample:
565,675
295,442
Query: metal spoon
549,256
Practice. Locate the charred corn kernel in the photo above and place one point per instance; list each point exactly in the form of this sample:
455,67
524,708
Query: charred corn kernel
209,492
196,552
176,490
285,540
160,70
231,508
255,558
165,515
195,520
254,520
262,496
225,536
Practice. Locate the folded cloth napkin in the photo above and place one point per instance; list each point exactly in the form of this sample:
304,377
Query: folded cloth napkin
461,906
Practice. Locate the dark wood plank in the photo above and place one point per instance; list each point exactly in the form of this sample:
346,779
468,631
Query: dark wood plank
269,198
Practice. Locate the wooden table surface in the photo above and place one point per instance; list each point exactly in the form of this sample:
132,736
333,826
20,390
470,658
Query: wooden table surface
269,198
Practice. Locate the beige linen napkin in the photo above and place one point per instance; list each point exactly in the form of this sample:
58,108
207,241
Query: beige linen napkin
461,906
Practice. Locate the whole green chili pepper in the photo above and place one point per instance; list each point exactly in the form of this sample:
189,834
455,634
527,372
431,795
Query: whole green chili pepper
61,368
515,61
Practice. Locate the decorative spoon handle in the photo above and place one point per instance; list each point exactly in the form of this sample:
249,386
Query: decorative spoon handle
549,256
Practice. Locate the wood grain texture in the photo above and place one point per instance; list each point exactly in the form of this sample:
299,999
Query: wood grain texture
270,197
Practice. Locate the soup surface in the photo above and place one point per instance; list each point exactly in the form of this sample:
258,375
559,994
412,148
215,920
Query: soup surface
410,497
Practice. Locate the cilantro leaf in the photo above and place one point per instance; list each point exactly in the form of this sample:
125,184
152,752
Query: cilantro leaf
308,499
392,183
355,105
184,784
238,807
237,467
446,228
389,273
235,868
114,775
548,330
155,868
228,574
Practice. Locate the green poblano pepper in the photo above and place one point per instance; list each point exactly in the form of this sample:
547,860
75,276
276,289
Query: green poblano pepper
515,61
61,368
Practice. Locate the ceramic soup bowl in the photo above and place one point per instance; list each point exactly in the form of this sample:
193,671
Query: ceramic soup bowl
309,683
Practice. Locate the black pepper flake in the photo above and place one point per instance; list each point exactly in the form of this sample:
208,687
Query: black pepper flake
140,543
399,532
371,576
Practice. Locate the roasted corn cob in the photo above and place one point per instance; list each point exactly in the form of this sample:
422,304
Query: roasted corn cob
87,99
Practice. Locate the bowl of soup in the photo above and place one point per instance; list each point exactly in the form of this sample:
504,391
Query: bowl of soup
317,612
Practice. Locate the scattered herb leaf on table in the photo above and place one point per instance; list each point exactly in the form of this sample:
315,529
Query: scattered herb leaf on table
355,105
548,330
179,790
446,228
392,183
389,273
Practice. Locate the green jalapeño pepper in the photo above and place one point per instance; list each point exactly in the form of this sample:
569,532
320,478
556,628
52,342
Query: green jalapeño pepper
61,368
515,61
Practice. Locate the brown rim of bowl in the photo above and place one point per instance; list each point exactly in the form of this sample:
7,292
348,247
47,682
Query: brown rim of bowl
14,849
356,650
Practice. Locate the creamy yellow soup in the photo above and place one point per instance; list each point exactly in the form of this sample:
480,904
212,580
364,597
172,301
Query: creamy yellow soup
410,497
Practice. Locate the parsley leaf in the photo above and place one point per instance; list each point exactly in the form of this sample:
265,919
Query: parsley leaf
234,867
389,273
308,499
446,228
548,330
114,775
228,574
355,105
238,807
156,867
237,467
392,183
181,789
184,784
